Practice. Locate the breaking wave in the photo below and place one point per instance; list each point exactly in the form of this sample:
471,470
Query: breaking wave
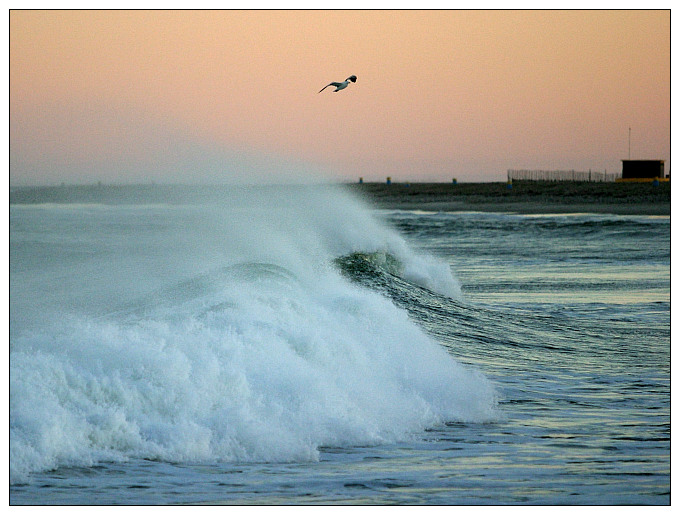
268,357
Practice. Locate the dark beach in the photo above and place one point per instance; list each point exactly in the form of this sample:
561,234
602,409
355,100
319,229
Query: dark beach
525,197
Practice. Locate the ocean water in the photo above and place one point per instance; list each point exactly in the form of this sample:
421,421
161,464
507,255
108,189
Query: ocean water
291,345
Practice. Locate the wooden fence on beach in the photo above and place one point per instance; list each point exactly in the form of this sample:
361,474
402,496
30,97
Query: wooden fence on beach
562,175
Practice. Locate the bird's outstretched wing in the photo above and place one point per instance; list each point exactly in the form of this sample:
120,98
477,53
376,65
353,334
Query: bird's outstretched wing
334,84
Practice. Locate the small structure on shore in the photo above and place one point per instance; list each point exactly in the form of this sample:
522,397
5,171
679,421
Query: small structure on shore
642,169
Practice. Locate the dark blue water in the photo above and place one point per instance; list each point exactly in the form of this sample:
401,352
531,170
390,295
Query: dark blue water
259,350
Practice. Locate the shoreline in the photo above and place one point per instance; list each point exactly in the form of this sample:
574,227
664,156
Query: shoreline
528,208
522,198
525,197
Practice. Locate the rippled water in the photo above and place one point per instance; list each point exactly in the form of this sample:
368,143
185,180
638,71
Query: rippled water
567,317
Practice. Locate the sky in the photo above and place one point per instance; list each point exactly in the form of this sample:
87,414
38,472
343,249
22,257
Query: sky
232,96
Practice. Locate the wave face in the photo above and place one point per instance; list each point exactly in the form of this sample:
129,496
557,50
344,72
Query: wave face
219,331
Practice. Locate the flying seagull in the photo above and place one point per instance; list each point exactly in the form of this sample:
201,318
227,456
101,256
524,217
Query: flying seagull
341,85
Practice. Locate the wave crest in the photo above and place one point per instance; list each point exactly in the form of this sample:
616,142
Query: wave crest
253,360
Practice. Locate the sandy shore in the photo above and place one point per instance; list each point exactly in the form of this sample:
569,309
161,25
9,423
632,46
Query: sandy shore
523,197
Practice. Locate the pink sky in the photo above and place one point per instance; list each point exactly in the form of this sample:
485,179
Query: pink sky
183,96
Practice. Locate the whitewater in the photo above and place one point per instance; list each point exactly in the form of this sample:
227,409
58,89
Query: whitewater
290,344
217,332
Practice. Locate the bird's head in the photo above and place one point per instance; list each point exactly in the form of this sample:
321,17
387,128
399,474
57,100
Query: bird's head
353,78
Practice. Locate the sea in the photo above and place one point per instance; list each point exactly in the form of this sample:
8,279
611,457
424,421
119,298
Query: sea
291,345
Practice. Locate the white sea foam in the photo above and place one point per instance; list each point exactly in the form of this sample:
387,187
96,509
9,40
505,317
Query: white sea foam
267,361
